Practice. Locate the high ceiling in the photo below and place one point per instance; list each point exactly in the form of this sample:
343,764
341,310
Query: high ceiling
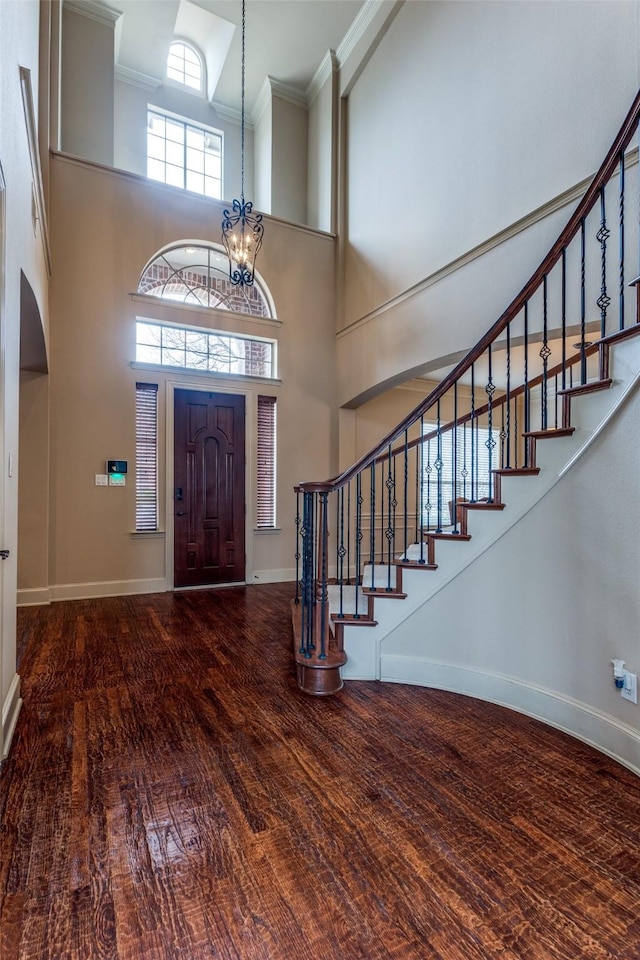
285,39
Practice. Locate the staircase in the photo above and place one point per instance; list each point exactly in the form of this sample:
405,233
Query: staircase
381,541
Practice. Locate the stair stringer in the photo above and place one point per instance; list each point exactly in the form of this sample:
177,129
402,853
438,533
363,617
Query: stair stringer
368,648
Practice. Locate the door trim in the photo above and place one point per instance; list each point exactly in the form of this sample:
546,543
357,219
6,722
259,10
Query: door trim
250,404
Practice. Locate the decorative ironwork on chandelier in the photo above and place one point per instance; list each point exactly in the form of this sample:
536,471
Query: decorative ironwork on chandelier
242,229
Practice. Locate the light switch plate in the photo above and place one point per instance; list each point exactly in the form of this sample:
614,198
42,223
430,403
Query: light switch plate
102,480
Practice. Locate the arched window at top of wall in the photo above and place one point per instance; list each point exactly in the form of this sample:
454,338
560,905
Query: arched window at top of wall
197,273
185,65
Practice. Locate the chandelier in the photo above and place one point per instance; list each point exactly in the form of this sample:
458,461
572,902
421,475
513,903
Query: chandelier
242,230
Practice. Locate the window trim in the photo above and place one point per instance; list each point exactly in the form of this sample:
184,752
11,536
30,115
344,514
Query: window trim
187,123
181,85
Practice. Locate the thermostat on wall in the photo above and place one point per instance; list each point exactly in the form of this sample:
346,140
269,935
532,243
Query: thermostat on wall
116,466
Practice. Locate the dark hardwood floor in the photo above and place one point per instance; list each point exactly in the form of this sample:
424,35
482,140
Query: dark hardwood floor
170,795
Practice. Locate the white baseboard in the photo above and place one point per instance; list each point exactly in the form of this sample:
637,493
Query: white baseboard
600,730
32,597
10,712
273,576
107,588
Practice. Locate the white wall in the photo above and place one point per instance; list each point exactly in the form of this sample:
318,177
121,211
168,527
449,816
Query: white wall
23,251
535,621
321,166
289,164
467,117
263,158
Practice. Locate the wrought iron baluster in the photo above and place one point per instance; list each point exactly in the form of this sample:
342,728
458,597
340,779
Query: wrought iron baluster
474,478
358,540
555,422
372,531
454,460
502,435
583,303
418,500
297,556
438,465
391,501
621,222
308,570
406,492
602,236
323,531
515,430
422,503
490,442
349,532
341,550
465,473
545,353
506,459
564,317
526,393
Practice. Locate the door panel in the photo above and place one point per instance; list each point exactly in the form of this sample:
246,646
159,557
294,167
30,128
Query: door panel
209,459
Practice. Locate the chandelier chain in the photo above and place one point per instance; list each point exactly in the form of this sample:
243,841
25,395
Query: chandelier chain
242,117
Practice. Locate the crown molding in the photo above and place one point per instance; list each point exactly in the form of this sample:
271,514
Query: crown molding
94,10
136,78
328,66
231,115
358,28
284,92
275,88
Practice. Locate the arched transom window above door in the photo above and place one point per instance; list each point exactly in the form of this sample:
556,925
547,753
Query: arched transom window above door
197,274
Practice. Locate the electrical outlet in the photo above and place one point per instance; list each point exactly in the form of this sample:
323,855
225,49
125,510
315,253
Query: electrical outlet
630,689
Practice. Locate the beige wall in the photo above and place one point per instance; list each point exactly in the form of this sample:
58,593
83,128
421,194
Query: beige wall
289,163
444,153
33,505
105,227
87,86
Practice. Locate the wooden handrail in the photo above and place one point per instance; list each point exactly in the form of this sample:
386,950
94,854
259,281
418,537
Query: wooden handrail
603,175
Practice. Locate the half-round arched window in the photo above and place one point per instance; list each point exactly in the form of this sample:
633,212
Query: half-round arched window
197,273
185,65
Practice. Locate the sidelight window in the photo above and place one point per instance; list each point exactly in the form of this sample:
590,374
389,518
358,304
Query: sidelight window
146,457
266,467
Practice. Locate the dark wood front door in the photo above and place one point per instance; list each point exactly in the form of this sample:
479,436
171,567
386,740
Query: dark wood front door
209,501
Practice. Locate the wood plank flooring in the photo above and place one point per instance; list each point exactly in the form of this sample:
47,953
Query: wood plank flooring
171,795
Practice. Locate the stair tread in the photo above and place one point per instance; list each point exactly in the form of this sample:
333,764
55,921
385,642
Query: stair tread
360,620
384,592
482,505
517,471
550,432
590,387
416,565
448,536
